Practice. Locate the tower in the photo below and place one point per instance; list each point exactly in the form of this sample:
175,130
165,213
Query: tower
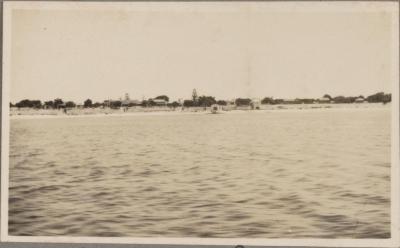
194,95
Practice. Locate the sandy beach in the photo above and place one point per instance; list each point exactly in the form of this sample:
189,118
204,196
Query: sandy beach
29,113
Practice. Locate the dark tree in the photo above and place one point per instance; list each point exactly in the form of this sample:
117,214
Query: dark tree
174,104
339,99
278,101
351,99
188,103
243,101
70,104
58,103
151,103
88,103
342,99
387,98
194,96
267,100
378,97
132,104
305,100
163,97
48,104
292,101
222,102
115,104
144,103
206,101
97,105
36,104
327,96
26,103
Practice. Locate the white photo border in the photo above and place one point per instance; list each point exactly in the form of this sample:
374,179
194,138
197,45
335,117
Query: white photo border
301,6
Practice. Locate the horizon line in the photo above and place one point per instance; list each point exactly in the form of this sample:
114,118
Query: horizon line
177,99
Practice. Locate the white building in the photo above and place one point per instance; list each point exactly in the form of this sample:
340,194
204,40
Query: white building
255,103
128,102
160,102
324,100
359,100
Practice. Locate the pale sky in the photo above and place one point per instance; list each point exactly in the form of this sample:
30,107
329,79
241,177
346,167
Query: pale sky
238,52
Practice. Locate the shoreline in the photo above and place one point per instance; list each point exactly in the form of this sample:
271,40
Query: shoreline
80,113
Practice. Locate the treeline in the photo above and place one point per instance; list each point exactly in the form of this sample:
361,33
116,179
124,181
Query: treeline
197,101
53,104
203,101
59,103
379,97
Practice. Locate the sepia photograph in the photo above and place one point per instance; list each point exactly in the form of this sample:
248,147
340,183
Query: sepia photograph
221,122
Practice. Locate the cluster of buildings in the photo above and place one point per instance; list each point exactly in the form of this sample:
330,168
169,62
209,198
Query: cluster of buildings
198,102
254,103
127,102
319,100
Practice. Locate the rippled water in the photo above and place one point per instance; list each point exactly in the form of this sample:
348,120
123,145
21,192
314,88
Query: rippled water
266,174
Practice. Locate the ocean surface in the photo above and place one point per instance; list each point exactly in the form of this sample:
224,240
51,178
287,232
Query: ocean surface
321,173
